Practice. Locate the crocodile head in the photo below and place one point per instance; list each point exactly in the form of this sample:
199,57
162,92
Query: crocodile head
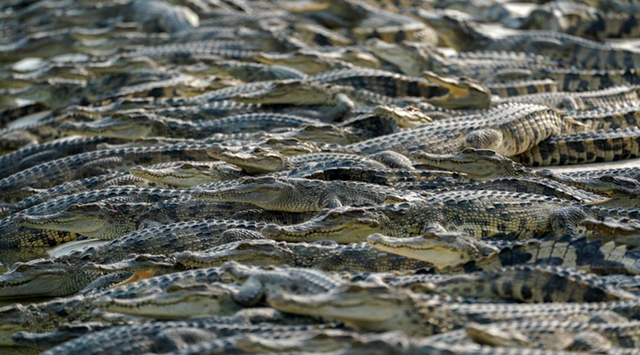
281,194
292,92
463,92
437,247
477,163
361,306
40,278
622,191
117,126
177,301
343,224
187,174
261,252
307,62
253,160
103,219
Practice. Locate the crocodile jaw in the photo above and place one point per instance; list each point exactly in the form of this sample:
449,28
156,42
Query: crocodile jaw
362,313
343,234
15,284
419,248
62,221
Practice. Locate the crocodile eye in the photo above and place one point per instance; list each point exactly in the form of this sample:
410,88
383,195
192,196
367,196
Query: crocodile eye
607,178
23,268
468,151
335,214
248,180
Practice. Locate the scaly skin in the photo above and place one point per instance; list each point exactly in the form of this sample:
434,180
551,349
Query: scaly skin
135,126
607,118
115,217
64,275
188,174
576,101
464,35
505,129
523,87
459,253
94,163
15,237
327,256
27,157
375,308
303,195
198,300
481,214
558,335
582,148
143,338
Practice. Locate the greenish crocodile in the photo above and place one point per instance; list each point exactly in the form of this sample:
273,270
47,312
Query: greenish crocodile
13,236
144,125
481,214
376,308
94,163
188,174
64,275
323,255
457,253
304,195
505,129
464,34
581,148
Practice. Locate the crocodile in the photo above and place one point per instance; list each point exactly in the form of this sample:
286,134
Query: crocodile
258,160
464,34
64,275
246,72
574,101
304,195
15,237
583,21
525,87
459,253
581,148
168,336
564,336
188,174
309,62
501,129
379,308
94,163
257,286
481,214
606,118
323,255
114,217
133,126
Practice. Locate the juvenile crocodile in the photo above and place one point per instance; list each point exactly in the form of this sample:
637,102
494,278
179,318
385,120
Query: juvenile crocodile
27,157
575,101
169,336
464,34
144,125
94,163
558,335
188,174
459,253
478,213
375,308
64,275
323,255
115,217
624,116
505,129
13,236
303,195
581,148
